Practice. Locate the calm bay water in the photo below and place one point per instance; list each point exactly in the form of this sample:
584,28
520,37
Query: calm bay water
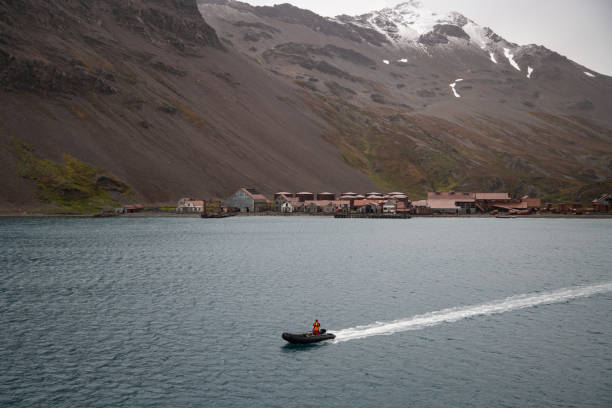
188,312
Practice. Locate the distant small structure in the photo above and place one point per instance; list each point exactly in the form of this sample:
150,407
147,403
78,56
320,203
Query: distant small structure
326,206
603,203
247,200
368,206
453,202
134,208
390,207
285,203
190,206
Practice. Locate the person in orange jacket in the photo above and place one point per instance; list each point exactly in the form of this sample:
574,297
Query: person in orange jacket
315,327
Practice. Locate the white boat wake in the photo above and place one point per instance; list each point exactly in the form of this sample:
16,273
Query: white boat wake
459,313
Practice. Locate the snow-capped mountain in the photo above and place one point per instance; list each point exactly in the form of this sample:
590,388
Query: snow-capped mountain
409,23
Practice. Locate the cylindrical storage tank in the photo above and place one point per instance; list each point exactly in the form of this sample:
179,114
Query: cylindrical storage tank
326,196
305,196
400,197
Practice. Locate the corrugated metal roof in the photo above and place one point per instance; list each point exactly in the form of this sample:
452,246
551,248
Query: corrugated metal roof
442,204
492,196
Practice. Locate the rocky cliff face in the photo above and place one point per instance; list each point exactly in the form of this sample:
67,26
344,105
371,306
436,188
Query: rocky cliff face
31,63
168,101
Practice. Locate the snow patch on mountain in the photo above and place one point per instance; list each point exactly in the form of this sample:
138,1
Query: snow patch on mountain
386,62
587,73
478,34
492,57
403,60
453,85
529,72
510,58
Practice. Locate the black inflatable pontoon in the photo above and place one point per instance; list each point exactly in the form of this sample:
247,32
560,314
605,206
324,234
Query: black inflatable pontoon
308,338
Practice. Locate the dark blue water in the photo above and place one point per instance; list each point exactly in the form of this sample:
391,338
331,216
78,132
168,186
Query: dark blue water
188,312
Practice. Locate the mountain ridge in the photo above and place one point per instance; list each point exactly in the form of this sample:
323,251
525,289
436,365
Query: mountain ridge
176,100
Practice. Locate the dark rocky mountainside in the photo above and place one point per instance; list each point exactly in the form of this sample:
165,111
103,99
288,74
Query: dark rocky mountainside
150,100
423,101
145,92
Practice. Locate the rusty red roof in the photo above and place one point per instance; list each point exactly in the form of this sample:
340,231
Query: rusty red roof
533,202
254,194
510,206
360,203
442,204
492,196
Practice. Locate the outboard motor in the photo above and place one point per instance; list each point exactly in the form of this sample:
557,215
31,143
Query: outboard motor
322,331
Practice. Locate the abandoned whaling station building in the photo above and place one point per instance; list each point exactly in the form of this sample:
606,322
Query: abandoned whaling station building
327,203
247,200
190,206
461,203
250,200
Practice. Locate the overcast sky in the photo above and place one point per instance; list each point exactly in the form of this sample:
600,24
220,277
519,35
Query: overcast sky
578,29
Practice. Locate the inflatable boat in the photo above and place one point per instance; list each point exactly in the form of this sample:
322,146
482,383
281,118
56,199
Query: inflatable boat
308,338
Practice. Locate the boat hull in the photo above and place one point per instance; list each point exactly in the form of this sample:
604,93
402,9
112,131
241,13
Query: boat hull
307,338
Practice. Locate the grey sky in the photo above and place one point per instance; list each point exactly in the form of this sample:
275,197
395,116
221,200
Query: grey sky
578,29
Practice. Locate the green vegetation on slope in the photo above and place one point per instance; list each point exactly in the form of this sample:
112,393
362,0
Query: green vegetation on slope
74,187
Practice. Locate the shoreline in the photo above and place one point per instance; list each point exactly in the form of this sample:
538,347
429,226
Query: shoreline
164,214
